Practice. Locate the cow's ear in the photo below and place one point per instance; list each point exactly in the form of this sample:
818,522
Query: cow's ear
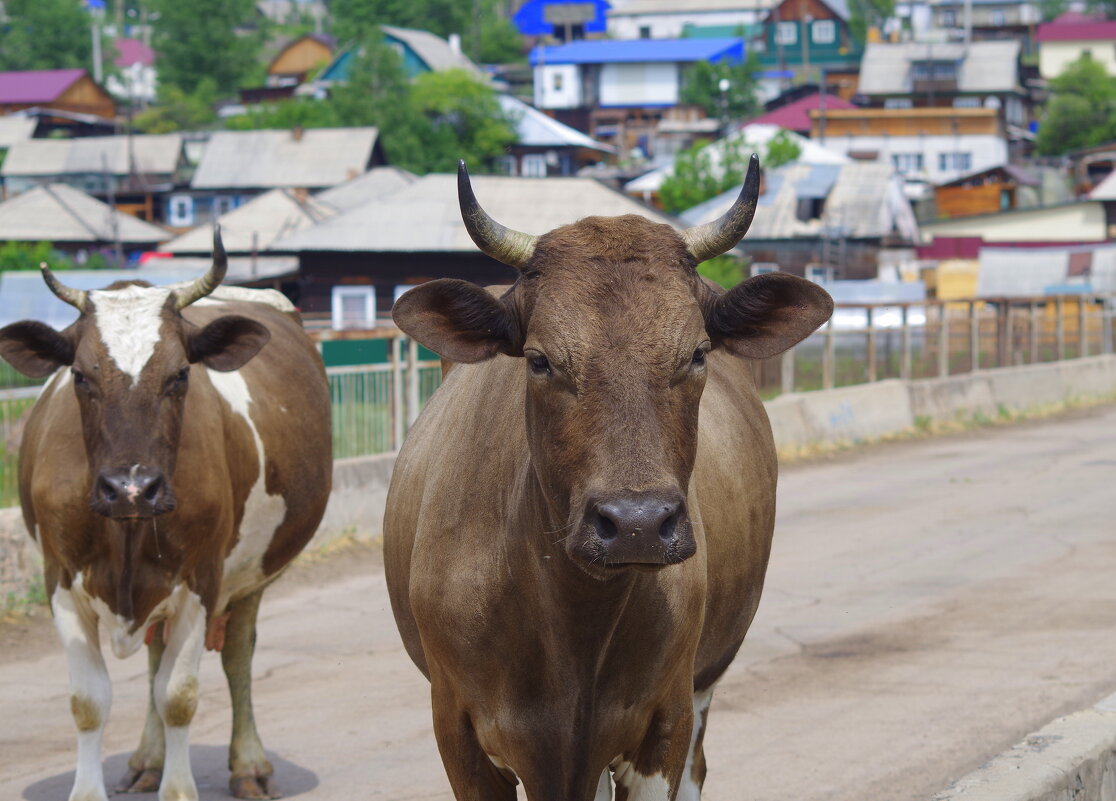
34,348
767,314
227,343
458,320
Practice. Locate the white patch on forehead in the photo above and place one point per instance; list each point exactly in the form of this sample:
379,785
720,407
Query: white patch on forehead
128,320
263,513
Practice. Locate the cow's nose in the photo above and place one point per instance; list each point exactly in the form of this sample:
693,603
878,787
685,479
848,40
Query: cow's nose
642,528
130,492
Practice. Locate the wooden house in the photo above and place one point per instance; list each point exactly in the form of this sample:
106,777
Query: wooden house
298,58
70,90
801,37
984,192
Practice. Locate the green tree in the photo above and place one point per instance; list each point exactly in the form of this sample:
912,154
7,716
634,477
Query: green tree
197,40
701,86
301,112
465,121
726,270
45,34
29,255
1081,111
179,111
865,14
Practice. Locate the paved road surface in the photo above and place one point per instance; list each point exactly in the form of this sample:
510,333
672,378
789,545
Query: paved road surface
928,604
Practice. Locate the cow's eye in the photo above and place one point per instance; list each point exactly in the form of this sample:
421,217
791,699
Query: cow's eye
79,377
539,365
698,359
183,375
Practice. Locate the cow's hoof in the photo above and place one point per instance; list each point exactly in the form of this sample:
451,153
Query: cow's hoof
254,787
140,781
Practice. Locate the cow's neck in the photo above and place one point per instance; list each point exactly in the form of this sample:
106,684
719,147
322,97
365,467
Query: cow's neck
137,570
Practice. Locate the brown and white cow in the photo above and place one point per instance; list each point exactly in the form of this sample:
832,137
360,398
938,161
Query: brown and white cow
173,466
578,525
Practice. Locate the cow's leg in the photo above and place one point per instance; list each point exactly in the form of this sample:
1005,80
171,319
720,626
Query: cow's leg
145,766
176,697
655,771
90,690
472,774
251,770
693,776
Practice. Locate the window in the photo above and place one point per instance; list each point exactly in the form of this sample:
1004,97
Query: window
534,165
505,165
907,163
999,19
819,274
824,31
353,307
786,33
966,102
949,19
764,267
222,204
180,210
949,162
644,31
898,102
556,82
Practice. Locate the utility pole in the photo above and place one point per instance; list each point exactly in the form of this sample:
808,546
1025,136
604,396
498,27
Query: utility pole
821,109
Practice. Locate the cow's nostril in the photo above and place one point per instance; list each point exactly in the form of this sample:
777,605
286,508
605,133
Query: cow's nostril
107,491
667,530
151,494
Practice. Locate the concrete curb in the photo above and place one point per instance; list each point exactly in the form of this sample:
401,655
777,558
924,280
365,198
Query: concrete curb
1071,759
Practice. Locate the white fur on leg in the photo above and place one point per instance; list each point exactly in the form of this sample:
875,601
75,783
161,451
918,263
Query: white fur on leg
642,788
176,697
604,787
688,789
90,689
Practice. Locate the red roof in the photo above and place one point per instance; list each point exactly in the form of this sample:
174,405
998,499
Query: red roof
796,116
133,51
36,86
1073,27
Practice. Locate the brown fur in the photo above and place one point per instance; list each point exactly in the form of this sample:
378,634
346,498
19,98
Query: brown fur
537,654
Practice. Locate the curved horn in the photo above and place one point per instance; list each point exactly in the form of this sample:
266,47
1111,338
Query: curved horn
513,248
75,297
721,235
211,280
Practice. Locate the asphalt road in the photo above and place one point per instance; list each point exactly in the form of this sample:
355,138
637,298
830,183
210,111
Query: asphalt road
928,604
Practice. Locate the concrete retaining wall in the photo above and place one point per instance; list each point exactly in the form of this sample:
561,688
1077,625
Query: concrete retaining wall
800,422
1072,759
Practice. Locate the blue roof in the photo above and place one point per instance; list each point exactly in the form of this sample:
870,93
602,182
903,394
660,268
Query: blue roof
609,51
530,20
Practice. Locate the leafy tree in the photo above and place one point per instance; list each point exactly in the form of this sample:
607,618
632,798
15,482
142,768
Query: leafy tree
44,34
702,87
301,112
1081,111
465,121
865,14
699,177
29,255
197,40
726,270
179,111
1049,9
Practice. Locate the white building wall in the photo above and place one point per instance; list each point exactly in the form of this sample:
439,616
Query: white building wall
984,151
651,84
671,26
1054,57
557,86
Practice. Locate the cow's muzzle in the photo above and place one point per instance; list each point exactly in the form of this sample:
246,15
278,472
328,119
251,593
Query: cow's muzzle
131,492
636,528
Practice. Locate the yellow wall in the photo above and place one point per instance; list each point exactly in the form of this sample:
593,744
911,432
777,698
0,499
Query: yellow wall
1076,222
957,278
299,57
1054,57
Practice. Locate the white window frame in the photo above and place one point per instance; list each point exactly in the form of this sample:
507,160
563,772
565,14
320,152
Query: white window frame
955,161
907,163
823,31
898,102
966,102
786,33
819,274
367,292
180,215
223,204
533,165
763,268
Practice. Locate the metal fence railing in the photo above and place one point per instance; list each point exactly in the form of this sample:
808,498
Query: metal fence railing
375,404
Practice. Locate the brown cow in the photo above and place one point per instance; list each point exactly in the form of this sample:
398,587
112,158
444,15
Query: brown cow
189,496
573,552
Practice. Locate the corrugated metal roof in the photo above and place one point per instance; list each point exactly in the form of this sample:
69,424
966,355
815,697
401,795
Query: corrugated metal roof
756,136
535,129
317,158
242,269
14,129
60,213
989,66
36,86
1087,31
425,217
256,224
376,184
818,182
605,51
434,51
142,155
860,203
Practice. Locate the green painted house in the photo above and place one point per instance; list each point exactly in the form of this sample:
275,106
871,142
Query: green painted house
802,36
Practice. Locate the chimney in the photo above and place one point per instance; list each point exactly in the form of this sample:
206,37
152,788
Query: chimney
296,133
455,42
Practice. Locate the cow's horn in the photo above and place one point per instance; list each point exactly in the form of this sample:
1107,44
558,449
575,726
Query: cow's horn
212,279
721,235
75,297
513,248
